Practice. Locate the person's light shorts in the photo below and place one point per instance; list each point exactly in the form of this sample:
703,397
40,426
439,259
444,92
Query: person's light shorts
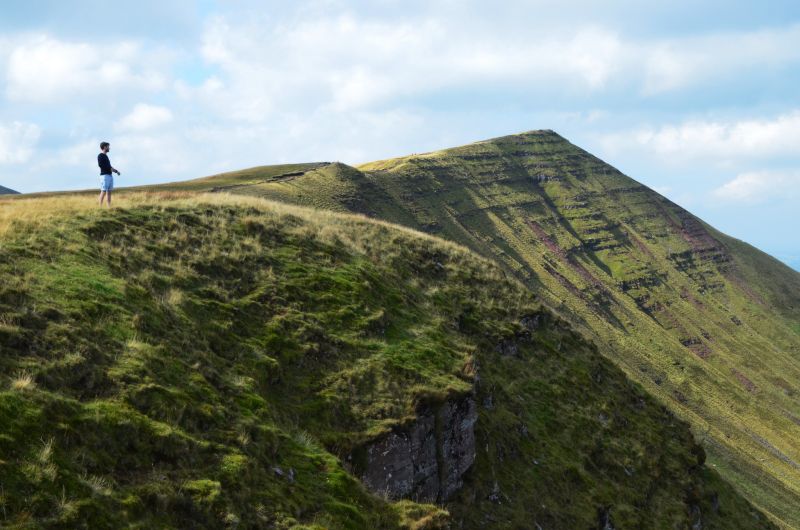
107,184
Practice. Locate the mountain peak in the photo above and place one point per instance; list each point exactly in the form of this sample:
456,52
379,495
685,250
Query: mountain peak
527,143
526,134
7,191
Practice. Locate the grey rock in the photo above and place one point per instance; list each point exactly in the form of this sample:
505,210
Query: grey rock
697,515
495,495
287,475
715,502
457,444
507,347
404,463
531,323
426,460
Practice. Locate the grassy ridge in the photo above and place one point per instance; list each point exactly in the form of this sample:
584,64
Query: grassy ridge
706,322
207,361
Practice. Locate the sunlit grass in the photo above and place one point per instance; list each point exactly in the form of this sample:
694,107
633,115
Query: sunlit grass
226,335
630,269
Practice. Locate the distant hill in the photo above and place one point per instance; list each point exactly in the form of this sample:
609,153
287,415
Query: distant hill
706,322
7,191
208,361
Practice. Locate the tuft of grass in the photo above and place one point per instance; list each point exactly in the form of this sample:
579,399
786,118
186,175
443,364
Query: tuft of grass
23,381
174,297
99,485
46,452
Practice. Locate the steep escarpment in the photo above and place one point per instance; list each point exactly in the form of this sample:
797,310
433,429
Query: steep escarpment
7,191
705,322
210,362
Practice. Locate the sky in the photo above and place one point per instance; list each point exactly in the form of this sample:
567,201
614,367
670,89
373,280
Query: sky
700,100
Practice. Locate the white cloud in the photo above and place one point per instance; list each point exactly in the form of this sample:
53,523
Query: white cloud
42,69
353,62
17,141
757,186
79,156
350,63
680,63
150,156
715,140
144,116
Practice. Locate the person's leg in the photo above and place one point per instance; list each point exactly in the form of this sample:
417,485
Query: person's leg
102,196
108,194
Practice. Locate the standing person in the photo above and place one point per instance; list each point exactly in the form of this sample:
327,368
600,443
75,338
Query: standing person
107,179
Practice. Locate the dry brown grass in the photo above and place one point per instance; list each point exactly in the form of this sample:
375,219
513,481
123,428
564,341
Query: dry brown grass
325,225
38,210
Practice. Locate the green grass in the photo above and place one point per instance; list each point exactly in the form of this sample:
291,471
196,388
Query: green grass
207,362
705,322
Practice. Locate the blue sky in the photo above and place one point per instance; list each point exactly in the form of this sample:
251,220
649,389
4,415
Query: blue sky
698,100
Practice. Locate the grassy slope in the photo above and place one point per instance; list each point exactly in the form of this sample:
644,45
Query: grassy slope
702,320
204,361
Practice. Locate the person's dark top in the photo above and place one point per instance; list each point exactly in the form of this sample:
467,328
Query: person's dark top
104,163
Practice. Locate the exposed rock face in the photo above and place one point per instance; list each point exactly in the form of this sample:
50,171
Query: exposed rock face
507,347
457,444
404,464
426,460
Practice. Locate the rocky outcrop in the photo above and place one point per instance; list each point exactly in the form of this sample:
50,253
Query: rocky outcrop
424,461
457,438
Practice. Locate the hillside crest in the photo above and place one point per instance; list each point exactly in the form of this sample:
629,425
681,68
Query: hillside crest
704,321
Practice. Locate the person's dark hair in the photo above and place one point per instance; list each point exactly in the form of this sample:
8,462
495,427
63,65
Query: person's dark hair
103,145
